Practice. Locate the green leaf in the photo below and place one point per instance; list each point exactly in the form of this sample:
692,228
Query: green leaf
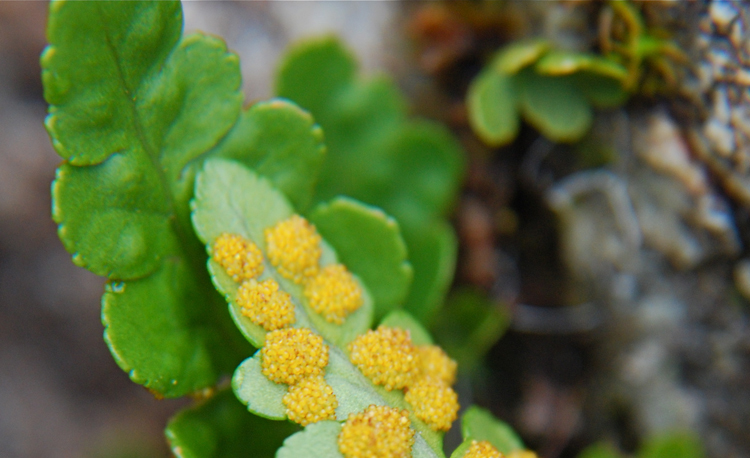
598,78
111,219
555,106
129,203
318,440
468,326
673,445
358,124
167,126
231,198
432,251
370,244
313,71
461,450
480,425
518,55
492,101
190,104
402,319
133,109
220,427
98,58
261,396
426,173
600,450
280,141
601,91
559,63
166,331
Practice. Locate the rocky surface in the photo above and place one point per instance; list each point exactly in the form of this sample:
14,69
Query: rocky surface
629,315
655,242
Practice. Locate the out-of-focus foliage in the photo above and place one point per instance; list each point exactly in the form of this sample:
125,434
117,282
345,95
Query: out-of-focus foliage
676,445
378,154
556,90
468,325
670,445
600,450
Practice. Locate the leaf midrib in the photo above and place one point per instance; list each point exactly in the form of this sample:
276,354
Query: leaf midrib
171,213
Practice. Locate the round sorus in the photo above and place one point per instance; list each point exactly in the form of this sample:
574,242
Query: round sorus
293,247
378,432
311,400
334,293
386,356
482,449
292,354
265,305
239,257
433,362
434,402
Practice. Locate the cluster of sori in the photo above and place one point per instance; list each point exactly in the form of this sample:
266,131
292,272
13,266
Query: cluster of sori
293,248
298,356
388,358
293,356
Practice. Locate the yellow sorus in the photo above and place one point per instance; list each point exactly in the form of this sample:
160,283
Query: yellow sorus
334,293
310,401
434,402
240,258
293,354
378,432
265,305
482,449
293,247
433,362
386,356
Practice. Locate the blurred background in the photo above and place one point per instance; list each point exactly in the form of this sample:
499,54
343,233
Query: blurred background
619,262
